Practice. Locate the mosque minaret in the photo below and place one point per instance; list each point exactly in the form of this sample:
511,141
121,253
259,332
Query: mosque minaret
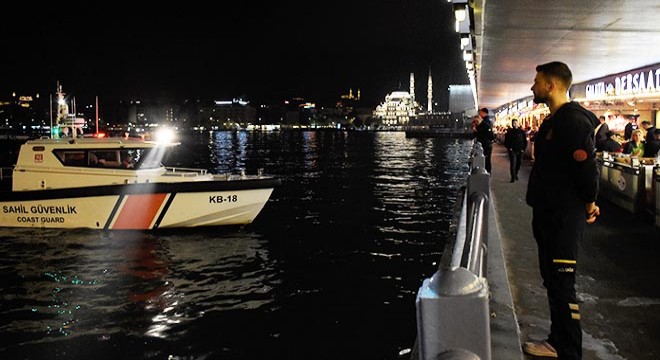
430,93
412,87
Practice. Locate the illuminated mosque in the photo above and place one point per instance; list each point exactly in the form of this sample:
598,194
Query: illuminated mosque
400,107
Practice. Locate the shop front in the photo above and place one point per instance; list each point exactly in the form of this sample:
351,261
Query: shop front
629,97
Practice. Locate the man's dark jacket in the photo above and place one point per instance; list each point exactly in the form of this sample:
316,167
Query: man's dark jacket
515,139
484,133
565,173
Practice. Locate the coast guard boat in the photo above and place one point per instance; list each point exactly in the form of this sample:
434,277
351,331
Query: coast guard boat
120,183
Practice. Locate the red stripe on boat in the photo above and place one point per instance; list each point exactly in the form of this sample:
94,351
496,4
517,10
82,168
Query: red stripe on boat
139,211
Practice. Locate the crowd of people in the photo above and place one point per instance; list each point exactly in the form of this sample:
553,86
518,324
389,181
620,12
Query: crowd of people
637,140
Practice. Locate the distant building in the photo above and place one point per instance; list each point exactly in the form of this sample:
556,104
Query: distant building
298,111
22,111
397,110
347,102
237,111
146,114
350,96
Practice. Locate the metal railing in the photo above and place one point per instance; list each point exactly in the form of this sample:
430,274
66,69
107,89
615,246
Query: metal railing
452,306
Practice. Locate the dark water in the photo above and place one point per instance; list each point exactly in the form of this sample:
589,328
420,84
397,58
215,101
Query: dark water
329,270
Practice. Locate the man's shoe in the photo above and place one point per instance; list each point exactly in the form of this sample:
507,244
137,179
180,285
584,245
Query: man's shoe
539,348
512,180
516,177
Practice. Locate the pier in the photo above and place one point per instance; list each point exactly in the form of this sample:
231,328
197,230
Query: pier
616,282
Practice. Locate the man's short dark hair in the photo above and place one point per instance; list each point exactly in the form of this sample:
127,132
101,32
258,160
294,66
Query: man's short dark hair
484,110
557,70
646,122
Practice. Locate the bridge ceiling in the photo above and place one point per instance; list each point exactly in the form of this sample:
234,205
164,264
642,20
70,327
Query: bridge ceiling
594,37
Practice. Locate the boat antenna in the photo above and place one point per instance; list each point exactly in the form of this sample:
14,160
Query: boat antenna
62,113
97,115
50,112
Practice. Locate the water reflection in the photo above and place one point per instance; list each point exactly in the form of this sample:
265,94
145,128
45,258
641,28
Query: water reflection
69,283
228,151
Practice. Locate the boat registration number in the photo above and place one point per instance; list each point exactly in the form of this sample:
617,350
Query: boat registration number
219,199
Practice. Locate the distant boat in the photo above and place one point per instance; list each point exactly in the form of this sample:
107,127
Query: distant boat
120,183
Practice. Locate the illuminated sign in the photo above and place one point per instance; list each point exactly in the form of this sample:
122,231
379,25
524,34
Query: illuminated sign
634,83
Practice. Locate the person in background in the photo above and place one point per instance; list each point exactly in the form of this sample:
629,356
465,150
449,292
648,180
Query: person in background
127,162
484,115
475,122
532,137
562,191
630,126
601,133
646,125
484,134
515,141
635,147
610,144
652,147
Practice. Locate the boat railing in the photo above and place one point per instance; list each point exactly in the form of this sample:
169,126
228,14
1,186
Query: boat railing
185,172
453,315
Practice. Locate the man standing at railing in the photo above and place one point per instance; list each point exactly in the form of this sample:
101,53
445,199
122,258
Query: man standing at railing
483,132
562,192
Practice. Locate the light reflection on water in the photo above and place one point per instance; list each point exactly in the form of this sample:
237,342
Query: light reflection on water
329,269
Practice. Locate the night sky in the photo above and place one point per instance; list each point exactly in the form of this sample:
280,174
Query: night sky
263,51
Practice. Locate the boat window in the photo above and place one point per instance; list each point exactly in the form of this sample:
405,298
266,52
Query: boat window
128,159
104,158
147,158
112,158
71,157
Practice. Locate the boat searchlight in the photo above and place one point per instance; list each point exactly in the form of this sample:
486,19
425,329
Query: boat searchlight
165,135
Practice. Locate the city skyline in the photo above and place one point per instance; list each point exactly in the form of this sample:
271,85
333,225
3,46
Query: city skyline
265,52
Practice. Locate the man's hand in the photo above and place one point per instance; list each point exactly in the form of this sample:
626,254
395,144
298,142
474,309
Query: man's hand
592,212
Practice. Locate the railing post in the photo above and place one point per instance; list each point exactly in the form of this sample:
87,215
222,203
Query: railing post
477,158
452,313
459,354
479,184
453,319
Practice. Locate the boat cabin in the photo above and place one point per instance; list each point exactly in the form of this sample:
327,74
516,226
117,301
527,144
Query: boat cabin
65,163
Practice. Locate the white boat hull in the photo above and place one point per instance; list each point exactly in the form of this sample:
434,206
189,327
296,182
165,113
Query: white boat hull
136,210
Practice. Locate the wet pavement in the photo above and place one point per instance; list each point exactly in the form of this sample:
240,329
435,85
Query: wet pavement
617,275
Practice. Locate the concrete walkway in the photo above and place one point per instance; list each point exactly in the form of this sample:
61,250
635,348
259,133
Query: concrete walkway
617,280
